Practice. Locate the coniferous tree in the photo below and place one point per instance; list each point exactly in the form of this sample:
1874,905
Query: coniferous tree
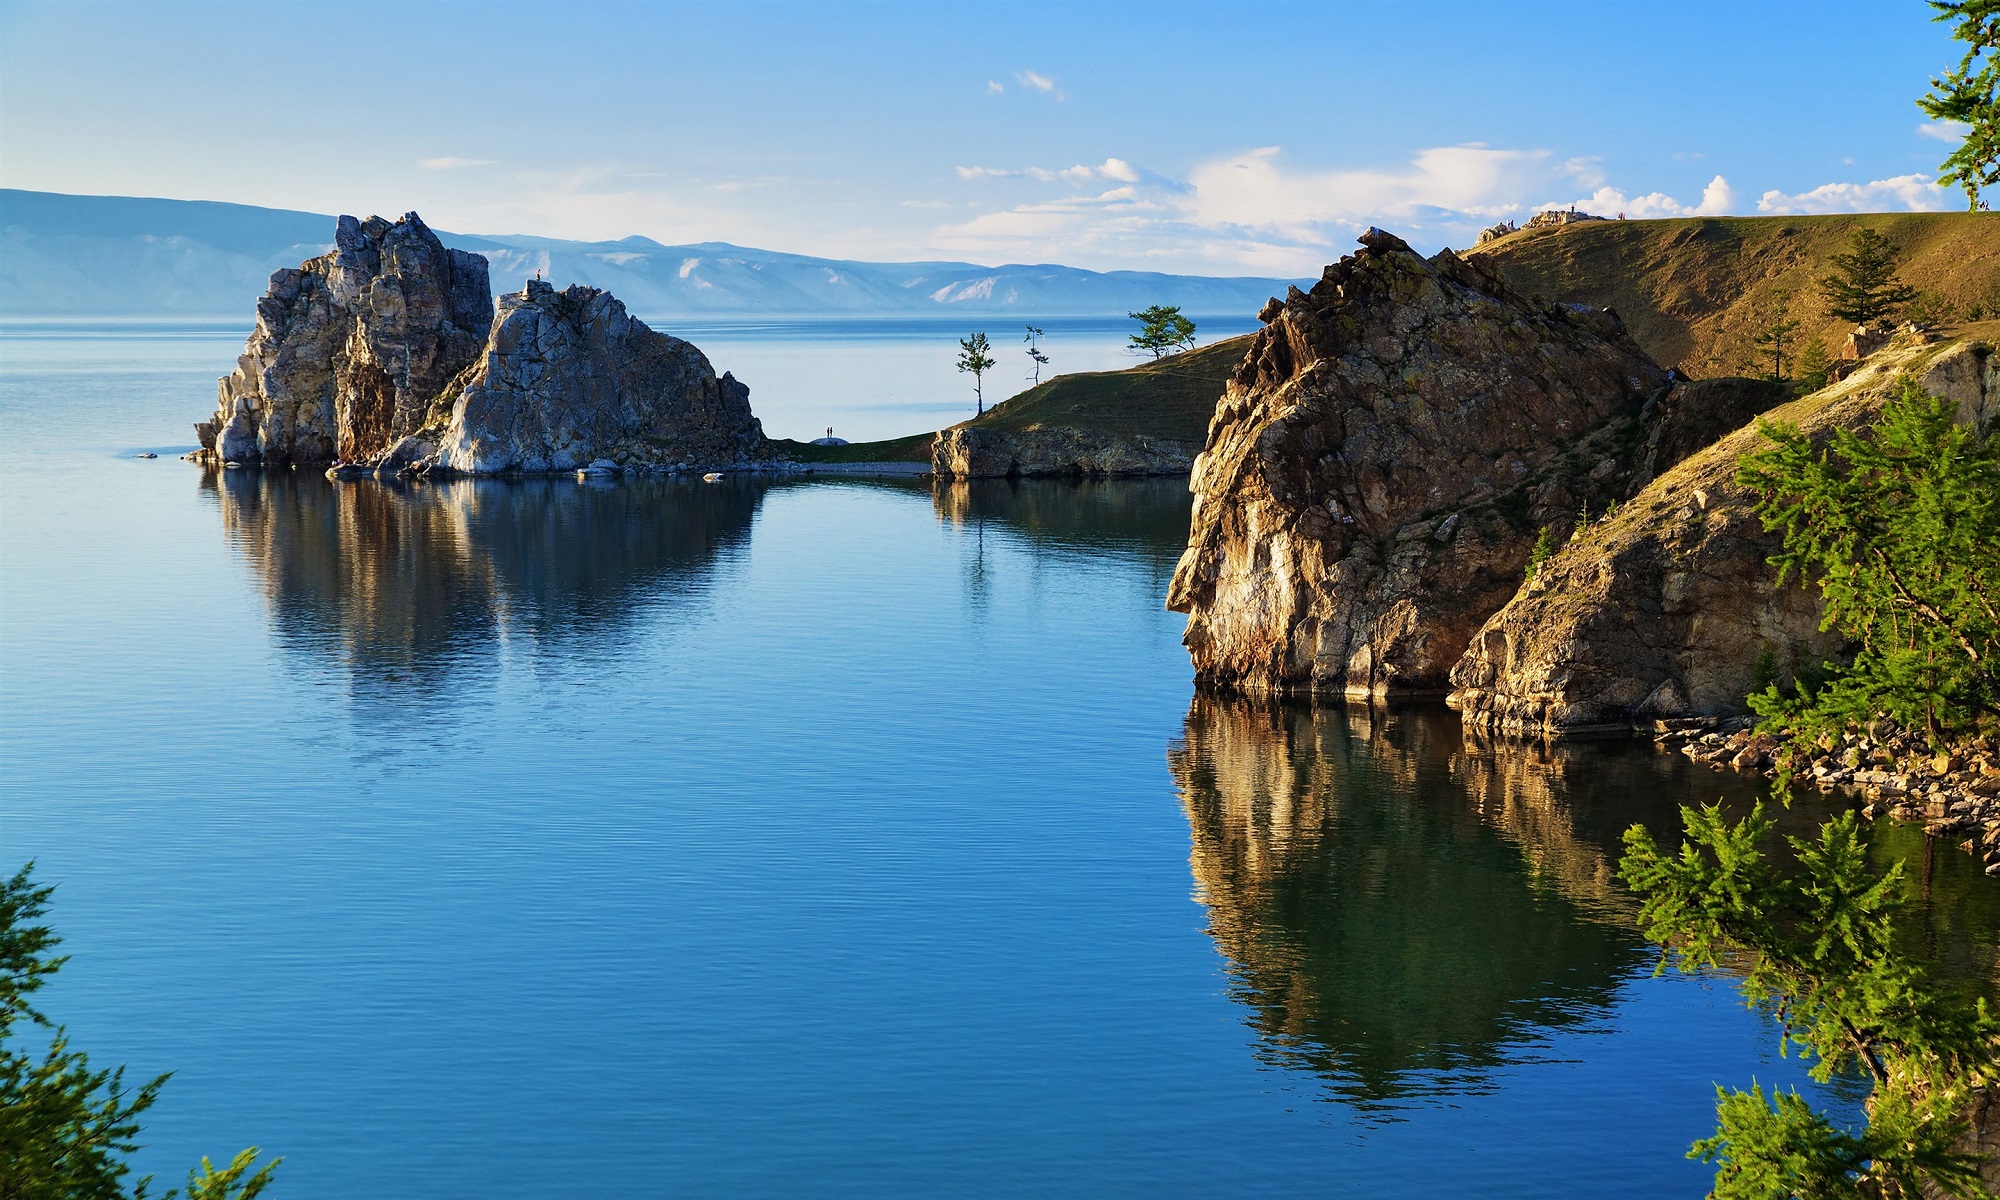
973,357
1819,949
1815,367
1777,332
1161,328
1035,354
1863,286
1899,526
66,1128
1970,95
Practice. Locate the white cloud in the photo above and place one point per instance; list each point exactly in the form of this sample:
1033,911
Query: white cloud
995,87
1943,131
1039,82
1912,193
1112,168
926,204
1254,190
1716,200
454,163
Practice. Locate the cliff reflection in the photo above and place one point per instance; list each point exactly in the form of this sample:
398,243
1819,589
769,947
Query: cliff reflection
409,583
1383,932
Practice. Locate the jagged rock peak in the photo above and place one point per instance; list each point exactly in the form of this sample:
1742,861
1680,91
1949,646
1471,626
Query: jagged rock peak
1378,465
568,378
350,347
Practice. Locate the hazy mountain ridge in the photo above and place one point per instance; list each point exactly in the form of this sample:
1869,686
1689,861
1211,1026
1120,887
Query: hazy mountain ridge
104,256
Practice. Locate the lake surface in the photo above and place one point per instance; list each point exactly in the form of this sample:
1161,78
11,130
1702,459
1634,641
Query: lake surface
807,837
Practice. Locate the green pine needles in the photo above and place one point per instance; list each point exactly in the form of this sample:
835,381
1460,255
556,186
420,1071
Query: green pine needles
1817,947
1899,525
67,1128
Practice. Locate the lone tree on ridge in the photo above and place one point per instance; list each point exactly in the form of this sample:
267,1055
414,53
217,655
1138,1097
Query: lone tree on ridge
1162,328
1035,353
1863,287
973,357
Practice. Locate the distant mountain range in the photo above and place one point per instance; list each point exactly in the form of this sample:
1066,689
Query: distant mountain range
120,256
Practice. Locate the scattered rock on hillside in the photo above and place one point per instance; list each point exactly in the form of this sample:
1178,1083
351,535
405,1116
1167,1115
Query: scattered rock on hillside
1661,612
972,452
1378,466
350,347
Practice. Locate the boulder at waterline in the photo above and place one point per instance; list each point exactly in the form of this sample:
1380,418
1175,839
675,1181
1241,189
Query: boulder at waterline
974,452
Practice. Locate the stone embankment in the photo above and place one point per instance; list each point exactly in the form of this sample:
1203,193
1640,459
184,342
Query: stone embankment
972,452
1379,465
1664,610
1951,792
387,357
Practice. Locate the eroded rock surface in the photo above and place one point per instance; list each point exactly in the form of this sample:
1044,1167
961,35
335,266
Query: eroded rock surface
1378,467
1663,610
351,347
971,452
569,378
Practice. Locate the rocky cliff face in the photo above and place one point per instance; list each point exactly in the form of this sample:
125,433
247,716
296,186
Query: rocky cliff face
1663,610
351,347
1379,464
968,452
570,377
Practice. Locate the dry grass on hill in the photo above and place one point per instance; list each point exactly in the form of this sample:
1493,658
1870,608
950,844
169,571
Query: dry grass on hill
1694,291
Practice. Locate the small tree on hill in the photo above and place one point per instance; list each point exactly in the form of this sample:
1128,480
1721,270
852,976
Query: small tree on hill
1161,328
1777,328
1863,287
1815,366
973,357
1035,354
1968,96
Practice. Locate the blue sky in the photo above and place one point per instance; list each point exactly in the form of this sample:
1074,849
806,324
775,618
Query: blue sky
1215,139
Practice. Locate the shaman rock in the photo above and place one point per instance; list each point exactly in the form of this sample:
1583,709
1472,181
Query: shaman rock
350,348
570,377
1378,466
1663,610
972,452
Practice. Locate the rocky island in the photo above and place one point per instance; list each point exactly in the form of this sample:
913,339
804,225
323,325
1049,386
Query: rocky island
387,355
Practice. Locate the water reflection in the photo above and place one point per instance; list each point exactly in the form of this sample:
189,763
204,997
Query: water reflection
1146,517
411,584
1405,908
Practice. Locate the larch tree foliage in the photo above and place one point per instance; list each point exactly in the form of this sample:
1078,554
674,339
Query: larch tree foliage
1970,96
1899,527
67,1128
1817,947
1035,355
1162,329
974,357
1863,287
1776,334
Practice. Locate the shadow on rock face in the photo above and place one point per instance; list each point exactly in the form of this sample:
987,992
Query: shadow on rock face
425,586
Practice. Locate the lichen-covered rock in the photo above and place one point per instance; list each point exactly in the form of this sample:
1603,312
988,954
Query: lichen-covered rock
1378,466
1664,610
350,348
972,452
570,377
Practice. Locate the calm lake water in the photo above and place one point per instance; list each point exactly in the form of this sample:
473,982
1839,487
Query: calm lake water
801,838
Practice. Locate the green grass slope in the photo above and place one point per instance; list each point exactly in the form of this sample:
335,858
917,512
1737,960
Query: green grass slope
1171,398
1694,290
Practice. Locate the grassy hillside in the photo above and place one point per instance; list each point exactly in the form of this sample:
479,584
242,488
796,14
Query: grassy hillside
1172,398
1692,290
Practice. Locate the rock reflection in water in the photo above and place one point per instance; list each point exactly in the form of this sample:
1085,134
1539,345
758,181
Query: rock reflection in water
409,583
1384,932
1148,517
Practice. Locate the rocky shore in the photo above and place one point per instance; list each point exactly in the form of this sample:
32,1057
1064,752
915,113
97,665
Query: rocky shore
971,452
1951,792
